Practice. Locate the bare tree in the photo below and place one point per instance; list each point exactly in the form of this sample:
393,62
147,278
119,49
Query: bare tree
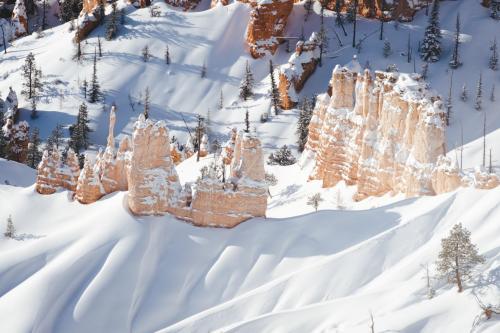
314,200
10,230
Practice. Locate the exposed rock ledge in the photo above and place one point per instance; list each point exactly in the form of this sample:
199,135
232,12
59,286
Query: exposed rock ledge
384,134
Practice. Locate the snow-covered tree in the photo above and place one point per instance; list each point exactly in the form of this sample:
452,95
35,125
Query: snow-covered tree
85,87
167,55
282,156
95,88
430,49
273,92
493,63
464,95
70,9
3,143
425,70
34,153
323,39
32,84
220,104
387,48
246,86
479,94
55,138
10,230
303,124
112,28
458,256
314,200
455,62
492,94
495,9
147,103
79,132
145,54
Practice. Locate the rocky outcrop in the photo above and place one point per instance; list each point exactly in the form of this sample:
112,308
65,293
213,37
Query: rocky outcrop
384,134
243,196
53,174
267,24
184,4
89,19
152,181
89,188
403,10
294,74
214,3
19,19
9,107
17,137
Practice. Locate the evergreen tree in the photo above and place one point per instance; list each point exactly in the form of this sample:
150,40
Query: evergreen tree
493,63
458,256
455,62
282,156
351,12
78,47
220,105
102,11
99,46
85,87
10,230
339,18
34,154
464,95
55,138
495,10
79,132
274,93
147,102
3,142
145,53
246,86
70,9
308,6
95,88
305,116
167,55
44,15
32,77
247,122
387,48
323,40
430,49
479,93
111,29
492,94
315,200
203,72
425,70
34,112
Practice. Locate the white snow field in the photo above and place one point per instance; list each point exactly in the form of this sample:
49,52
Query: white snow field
97,268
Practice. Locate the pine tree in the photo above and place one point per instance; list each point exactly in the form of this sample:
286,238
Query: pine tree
34,112
282,156
458,256
493,63
85,87
339,18
387,48
55,137
10,230
111,29
351,12
323,39
495,10
479,93
32,77
147,102
455,62
203,72
247,122
220,105
425,70
167,55
246,86
464,95
34,154
145,53
78,47
274,92
44,15
79,132
315,200
102,11
355,12
430,49
95,88
302,131
492,94
308,6
99,46
3,142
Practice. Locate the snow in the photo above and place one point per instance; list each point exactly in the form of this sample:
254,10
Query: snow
98,268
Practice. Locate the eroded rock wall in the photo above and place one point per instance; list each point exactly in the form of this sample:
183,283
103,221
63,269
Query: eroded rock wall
267,24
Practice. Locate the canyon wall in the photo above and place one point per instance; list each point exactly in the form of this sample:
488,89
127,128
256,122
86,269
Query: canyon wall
402,10
267,24
384,133
294,74
89,19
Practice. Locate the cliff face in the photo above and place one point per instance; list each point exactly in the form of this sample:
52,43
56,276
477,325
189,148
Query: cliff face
383,133
294,74
402,10
267,23
88,20
184,4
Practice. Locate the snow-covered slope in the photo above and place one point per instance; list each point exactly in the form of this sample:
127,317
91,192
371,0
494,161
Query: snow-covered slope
97,268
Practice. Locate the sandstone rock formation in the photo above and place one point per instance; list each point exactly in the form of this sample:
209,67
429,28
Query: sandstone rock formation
185,4
89,188
152,181
19,19
214,3
53,174
294,74
89,19
267,24
384,134
228,148
403,10
17,137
